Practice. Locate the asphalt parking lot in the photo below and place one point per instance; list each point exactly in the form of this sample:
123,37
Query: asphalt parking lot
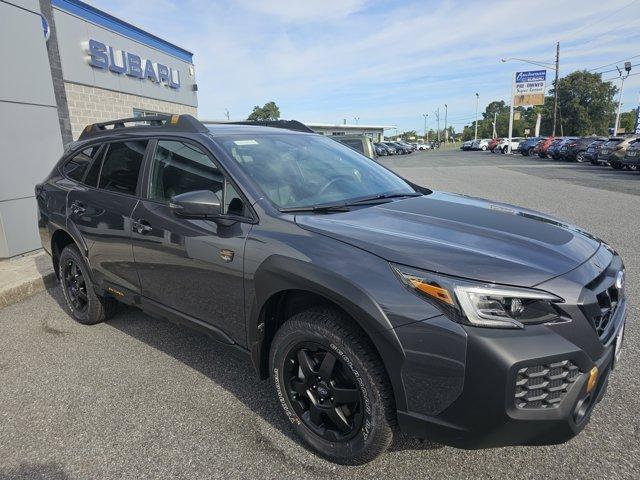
137,397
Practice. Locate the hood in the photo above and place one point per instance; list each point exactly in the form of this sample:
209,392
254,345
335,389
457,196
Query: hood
462,236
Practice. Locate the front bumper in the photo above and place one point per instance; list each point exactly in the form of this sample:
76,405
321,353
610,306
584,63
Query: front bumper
474,399
486,415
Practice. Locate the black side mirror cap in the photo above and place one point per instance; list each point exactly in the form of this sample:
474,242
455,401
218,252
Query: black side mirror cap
196,204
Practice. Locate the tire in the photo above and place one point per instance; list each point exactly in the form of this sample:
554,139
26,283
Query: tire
616,165
85,305
504,150
484,148
319,332
580,157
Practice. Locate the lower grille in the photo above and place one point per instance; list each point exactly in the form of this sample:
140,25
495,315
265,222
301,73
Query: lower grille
544,386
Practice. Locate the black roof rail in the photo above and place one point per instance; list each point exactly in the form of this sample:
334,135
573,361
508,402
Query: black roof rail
286,124
181,123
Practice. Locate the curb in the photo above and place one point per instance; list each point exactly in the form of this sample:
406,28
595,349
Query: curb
30,287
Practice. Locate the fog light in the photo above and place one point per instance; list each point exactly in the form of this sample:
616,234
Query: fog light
593,378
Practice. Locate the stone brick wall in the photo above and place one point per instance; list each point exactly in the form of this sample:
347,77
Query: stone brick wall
90,105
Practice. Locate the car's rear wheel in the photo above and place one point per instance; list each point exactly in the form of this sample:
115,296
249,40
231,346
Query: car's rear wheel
616,165
484,148
332,386
580,157
85,305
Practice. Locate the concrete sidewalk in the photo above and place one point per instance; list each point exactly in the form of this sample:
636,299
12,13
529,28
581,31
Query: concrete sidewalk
24,276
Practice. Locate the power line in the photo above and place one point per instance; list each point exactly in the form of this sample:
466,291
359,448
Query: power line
615,69
613,63
618,27
616,78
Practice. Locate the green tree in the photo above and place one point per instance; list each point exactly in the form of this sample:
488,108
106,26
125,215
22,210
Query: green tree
269,111
410,136
585,105
628,121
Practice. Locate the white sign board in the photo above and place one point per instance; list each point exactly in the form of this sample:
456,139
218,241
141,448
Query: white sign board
529,88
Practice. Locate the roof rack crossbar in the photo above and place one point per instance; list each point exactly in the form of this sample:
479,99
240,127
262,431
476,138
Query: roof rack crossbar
286,124
183,123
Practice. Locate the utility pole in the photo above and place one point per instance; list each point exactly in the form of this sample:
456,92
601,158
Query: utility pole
227,114
627,68
495,119
446,132
357,119
556,88
425,115
475,137
437,112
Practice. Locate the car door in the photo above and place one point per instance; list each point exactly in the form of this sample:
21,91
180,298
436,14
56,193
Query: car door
99,211
192,266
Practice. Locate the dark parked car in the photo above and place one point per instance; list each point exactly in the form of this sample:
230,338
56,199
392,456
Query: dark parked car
402,148
632,157
591,154
468,322
527,145
380,150
466,145
396,149
575,150
555,150
614,150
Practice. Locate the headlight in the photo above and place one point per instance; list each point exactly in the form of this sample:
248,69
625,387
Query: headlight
483,305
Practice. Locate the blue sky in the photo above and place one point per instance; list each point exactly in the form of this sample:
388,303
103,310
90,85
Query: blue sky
387,62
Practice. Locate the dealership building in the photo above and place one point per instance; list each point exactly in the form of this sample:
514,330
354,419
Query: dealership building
376,132
66,65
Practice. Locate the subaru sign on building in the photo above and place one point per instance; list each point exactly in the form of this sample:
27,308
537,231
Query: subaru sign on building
84,66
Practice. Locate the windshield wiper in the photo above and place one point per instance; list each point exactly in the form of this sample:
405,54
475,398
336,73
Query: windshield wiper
340,207
380,198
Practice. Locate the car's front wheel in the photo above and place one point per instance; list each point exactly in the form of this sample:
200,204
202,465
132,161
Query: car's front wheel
616,165
580,157
85,304
332,386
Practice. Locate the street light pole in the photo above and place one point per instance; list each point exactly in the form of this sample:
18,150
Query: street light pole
446,132
627,68
425,115
437,112
357,119
475,137
513,87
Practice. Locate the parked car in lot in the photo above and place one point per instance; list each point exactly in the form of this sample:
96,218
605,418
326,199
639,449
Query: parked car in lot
401,149
480,144
360,143
424,146
466,145
380,149
410,147
593,149
572,146
543,147
528,144
554,149
632,156
503,145
614,150
391,149
468,322
493,143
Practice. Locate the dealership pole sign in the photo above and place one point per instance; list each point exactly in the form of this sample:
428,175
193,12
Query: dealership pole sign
127,63
529,88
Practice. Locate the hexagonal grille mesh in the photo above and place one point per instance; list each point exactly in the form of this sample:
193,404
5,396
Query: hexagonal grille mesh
544,386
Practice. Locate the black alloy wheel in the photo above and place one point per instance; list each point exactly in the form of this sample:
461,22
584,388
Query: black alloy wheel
580,157
75,285
323,392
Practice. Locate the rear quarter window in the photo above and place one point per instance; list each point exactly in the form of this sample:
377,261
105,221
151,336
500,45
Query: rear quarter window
76,168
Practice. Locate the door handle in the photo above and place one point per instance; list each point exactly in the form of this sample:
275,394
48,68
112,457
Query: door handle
141,226
78,208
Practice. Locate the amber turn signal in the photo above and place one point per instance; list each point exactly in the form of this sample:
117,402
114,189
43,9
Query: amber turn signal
432,290
593,378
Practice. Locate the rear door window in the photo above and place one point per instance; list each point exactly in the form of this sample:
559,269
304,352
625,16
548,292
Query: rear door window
76,168
121,166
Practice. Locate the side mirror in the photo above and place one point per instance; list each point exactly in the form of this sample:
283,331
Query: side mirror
196,204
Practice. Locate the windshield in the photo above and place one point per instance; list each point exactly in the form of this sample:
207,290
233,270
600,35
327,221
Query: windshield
612,143
308,170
